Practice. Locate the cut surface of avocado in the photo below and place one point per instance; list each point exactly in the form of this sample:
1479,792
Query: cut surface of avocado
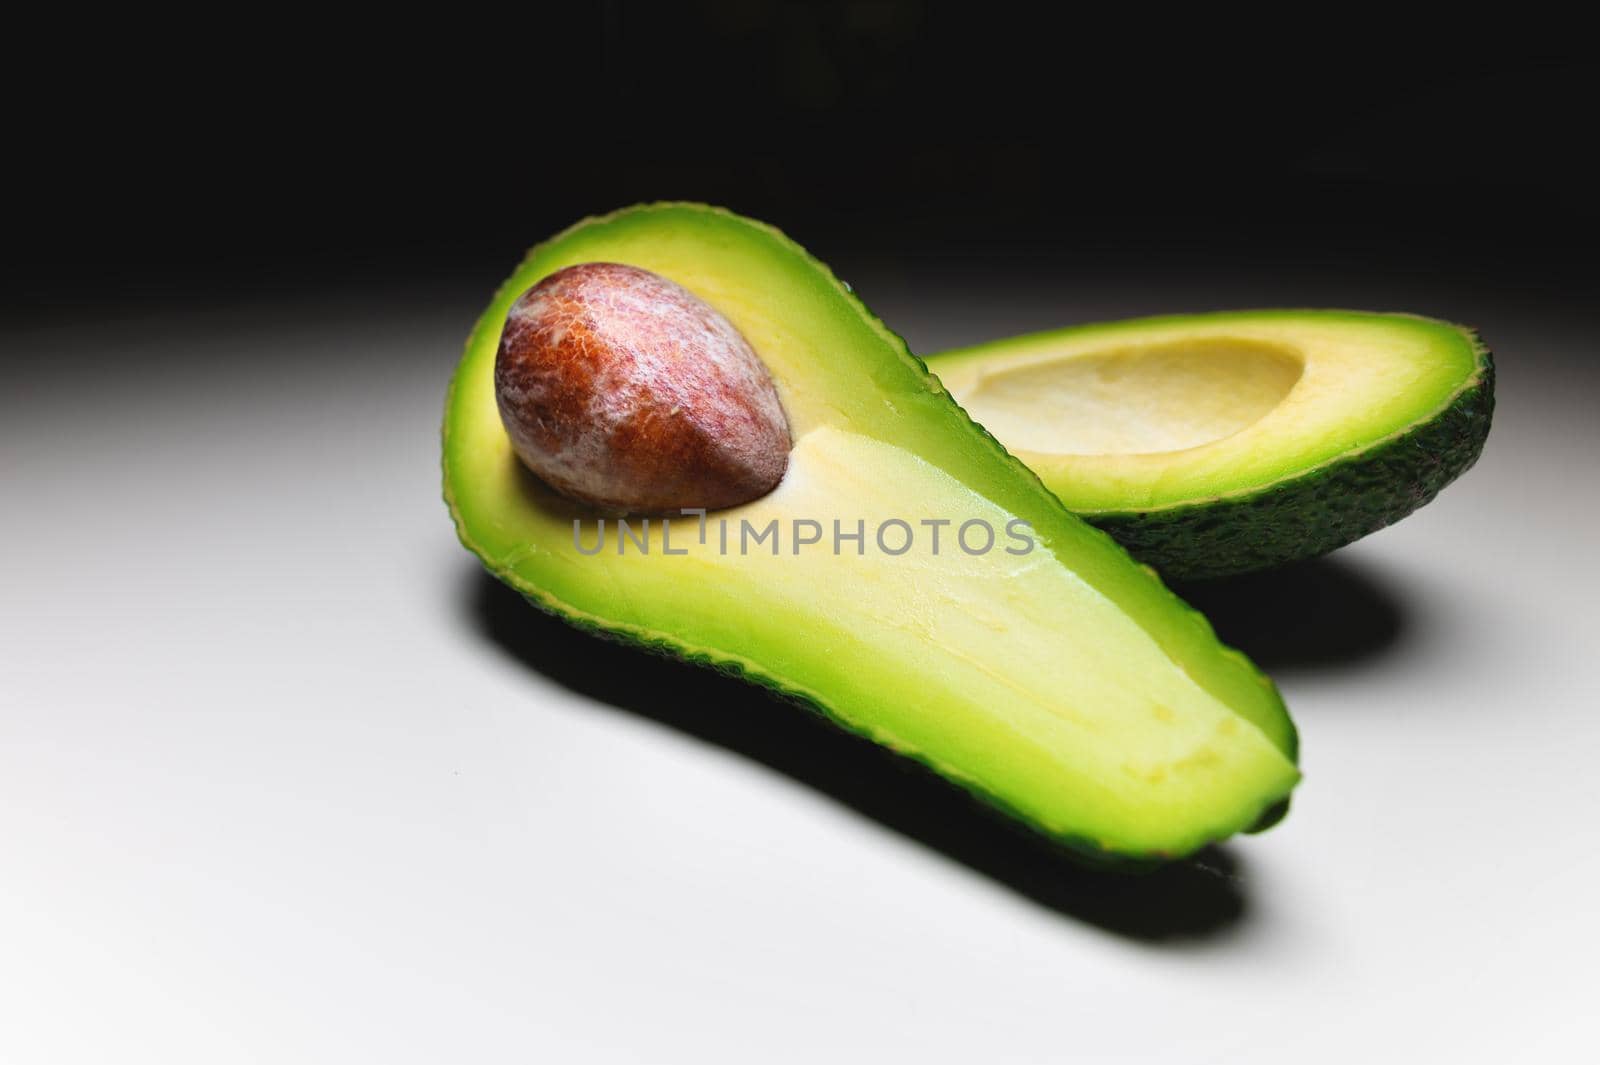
1064,685
1214,444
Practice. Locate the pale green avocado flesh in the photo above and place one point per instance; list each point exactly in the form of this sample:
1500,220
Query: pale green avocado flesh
1215,444
1065,686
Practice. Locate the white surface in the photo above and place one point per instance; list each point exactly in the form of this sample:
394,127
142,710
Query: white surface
268,793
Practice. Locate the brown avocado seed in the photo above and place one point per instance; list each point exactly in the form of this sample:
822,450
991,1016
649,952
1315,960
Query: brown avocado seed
626,391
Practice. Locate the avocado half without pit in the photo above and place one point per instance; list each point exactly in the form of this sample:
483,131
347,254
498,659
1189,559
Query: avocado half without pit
1064,684
1216,444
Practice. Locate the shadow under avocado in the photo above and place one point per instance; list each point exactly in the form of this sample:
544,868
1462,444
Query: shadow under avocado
1323,612
1197,897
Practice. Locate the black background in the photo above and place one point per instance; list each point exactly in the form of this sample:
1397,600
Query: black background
168,162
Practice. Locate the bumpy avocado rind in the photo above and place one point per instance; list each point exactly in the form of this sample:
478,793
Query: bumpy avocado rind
1379,473
1068,689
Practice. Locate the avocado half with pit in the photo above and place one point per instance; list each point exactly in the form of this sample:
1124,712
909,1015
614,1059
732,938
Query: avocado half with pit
1065,685
1216,444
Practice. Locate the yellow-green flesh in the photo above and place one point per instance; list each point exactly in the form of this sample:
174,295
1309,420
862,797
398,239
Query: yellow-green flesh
1163,412
1066,685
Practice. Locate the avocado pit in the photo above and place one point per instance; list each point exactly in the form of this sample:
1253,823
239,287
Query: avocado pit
625,391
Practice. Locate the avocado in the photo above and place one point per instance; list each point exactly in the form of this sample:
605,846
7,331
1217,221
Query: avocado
907,578
1216,444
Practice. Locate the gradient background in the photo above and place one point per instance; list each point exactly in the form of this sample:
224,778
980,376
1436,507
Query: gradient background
283,777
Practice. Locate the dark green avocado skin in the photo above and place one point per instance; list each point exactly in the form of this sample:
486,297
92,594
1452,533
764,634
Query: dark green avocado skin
1321,510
